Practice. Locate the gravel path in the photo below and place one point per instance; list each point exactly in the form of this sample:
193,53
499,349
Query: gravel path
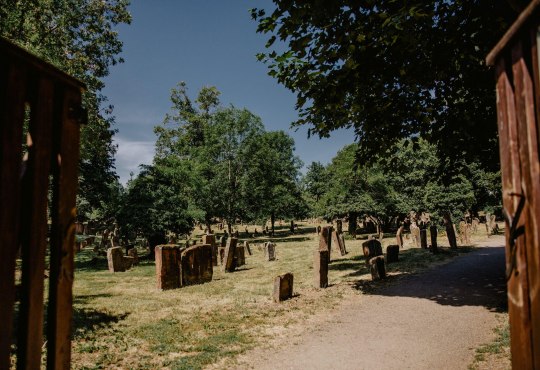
433,320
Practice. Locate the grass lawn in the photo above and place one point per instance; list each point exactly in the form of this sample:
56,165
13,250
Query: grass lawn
123,321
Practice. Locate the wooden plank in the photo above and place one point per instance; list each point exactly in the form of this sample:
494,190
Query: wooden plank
34,226
524,18
66,144
530,175
511,180
12,90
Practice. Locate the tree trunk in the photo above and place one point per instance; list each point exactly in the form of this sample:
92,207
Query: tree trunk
352,223
292,226
229,227
450,233
273,221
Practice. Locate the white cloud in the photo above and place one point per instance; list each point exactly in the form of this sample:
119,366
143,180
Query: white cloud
130,155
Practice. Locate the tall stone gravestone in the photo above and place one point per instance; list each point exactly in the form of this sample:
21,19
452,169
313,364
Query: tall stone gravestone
115,259
210,239
321,258
228,257
339,242
270,251
167,266
433,236
423,238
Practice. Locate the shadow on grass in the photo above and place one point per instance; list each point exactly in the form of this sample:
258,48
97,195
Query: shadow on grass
476,279
86,320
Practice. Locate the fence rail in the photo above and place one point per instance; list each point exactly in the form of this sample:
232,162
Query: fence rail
40,115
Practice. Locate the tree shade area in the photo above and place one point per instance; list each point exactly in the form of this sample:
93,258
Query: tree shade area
392,70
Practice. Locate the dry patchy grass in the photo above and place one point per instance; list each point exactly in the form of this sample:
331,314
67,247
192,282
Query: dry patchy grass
123,321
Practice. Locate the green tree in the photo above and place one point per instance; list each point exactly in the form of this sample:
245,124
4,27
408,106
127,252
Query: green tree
77,36
271,185
392,69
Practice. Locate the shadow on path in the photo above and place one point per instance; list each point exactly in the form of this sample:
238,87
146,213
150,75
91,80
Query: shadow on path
475,279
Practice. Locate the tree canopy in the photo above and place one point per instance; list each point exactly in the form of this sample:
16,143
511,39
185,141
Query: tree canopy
391,70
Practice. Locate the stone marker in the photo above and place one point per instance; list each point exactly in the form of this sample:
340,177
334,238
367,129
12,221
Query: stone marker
129,262
133,253
325,239
228,264
283,287
415,233
270,251
320,267
399,236
371,248
240,256
433,236
115,259
450,232
377,269
423,238
339,242
210,239
167,266
247,248
196,266
392,253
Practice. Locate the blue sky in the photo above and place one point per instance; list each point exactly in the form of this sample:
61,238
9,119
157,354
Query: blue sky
204,43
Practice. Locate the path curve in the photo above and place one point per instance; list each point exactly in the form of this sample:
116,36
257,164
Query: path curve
433,320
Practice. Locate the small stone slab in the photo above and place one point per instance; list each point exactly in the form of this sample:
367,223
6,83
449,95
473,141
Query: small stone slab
115,259
423,238
167,266
339,242
371,248
210,239
128,262
321,260
247,248
433,236
230,252
392,253
270,251
196,265
283,287
240,256
133,253
377,268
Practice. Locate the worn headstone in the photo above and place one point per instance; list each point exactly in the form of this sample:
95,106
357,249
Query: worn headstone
433,236
115,259
128,261
228,257
474,225
221,255
325,239
392,253
283,287
320,267
133,253
339,242
167,266
371,248
247,248
450,232
415,233
423,238
377,268
464,233
270,251
210,239
399,236
196,266
240,256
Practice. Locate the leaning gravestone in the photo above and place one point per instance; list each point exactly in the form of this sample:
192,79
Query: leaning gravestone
399,236
371,248
210,239
247,248
270,251
423,238
392,253
228,264
339,241
115,259
433,235
196,266
167,266
283,287
377,269
320,267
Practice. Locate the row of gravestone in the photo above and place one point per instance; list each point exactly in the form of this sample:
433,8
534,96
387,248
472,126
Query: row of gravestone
118,262
419,237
